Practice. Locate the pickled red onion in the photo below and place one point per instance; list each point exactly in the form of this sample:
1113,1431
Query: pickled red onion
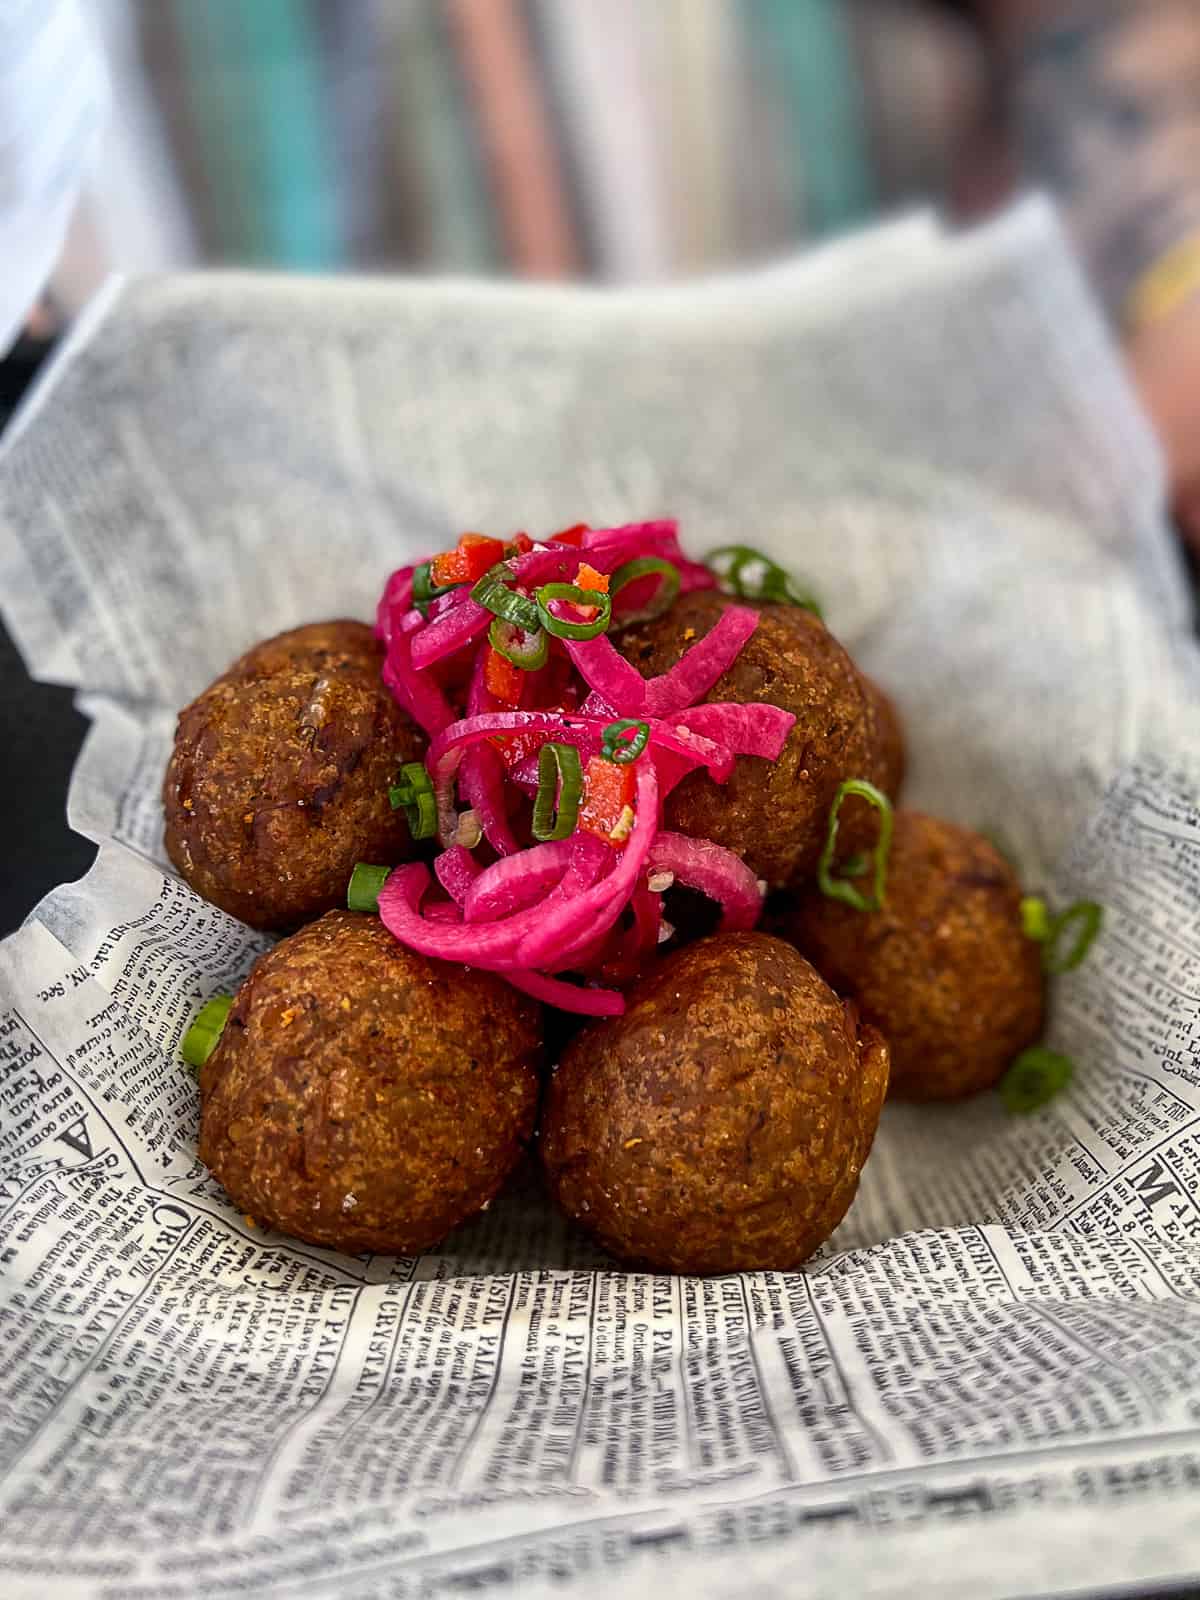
481,775
457,625
716,872
568,996
694,674
560,931
557,907
457,869
753,729
513,882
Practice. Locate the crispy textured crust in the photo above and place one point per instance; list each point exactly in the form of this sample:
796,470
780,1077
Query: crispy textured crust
278,781
364,1097
774,814
944,969
721,1124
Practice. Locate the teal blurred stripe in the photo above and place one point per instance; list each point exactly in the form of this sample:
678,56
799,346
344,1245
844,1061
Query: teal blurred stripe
432,118
254,81
808,46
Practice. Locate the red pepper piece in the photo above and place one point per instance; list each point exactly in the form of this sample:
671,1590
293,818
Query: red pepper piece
608,788
573,535
503,679
475,555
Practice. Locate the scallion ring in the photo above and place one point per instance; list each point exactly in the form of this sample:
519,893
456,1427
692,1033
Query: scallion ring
492,592
1033,1079
202,1037
751,575
838,888
1087,917
528,649
571,592
1035,919
560,779
362,892
615,747
414,793
424,589
664,596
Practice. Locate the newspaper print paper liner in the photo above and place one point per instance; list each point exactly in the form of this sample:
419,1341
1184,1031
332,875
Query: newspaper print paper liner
1004,1330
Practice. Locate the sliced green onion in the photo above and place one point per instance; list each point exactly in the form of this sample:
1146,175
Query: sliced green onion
424,588
616,748
1034,1078
492,592
1035,919
414,793
751,575
202,1037
362,892
664,596
1088,917
560,778
838,888
550,592
526,648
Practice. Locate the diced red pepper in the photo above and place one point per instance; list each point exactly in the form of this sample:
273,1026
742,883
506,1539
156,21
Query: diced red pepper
588,578
475,555
502,678
521,543
573,535
608,788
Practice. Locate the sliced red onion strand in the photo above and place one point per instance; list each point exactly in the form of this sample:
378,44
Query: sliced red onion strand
453,631
415,693
393,603
514,882
457,870
488,945
600,906
605,670
481,774
568,996
747,730
716,872
695,673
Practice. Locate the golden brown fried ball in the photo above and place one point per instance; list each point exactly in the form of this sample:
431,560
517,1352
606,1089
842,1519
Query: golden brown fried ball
278,782
773,814
944,969
364,1097
721,1124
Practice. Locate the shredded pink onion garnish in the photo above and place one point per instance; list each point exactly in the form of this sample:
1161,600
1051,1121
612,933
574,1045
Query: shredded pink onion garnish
715,871
583,905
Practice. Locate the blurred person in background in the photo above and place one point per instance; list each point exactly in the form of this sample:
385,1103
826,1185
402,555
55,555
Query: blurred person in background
610,139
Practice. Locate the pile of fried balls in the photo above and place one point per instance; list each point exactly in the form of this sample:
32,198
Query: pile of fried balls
361,1095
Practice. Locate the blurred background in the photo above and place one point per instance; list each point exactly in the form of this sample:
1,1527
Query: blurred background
618,140
614,141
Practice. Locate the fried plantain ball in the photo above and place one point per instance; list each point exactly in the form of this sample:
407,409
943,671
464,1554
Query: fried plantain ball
888,760
944,969
278,780
364,1097
774,814
721,1124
